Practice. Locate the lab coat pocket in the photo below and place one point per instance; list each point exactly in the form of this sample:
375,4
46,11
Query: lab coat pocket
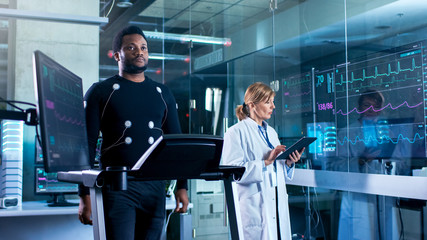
252,221
247,190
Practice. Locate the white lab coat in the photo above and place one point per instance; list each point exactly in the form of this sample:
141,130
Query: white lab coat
245,146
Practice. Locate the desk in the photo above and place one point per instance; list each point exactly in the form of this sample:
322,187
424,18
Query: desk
38,208
35,220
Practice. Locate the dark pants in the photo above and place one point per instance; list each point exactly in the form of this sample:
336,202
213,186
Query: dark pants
137,213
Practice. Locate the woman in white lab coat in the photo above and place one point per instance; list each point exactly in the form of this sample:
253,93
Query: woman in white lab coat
255,145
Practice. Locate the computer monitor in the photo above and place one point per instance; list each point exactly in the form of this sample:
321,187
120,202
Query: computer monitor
47,183
61,115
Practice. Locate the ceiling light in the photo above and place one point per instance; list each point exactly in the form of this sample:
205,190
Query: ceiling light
160,56
187,38
124,4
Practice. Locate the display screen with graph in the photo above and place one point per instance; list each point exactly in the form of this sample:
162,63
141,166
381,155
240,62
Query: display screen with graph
48,184
373,106
61,116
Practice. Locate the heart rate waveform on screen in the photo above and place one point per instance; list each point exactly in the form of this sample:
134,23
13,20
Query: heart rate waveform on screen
385,72
381,140
58,83
378,75
389,105
69,119
48,183
297,93
297,80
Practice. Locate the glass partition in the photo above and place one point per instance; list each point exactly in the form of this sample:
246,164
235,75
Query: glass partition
350,73
219,74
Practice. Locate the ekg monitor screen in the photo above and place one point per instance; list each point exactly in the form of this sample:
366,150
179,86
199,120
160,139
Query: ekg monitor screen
48,183
61,116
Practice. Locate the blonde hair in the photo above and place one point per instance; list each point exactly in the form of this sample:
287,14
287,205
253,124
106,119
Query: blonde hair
255,93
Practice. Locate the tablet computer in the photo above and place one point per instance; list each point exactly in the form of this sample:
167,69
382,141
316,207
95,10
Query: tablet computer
298,146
